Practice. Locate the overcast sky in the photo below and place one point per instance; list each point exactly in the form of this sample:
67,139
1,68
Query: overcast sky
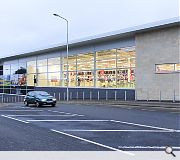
28,25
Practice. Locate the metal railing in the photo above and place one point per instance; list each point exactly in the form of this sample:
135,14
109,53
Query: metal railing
11,98
98,95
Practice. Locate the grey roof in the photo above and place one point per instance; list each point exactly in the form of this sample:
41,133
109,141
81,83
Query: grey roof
128,32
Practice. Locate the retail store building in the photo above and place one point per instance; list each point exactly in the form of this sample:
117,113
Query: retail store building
141,62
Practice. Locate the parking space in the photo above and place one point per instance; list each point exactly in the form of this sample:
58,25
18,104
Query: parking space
106,133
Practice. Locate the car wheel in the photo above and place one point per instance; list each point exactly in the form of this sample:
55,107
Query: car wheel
37,104
26,103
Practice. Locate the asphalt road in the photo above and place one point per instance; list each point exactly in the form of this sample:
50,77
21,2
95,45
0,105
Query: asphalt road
73,127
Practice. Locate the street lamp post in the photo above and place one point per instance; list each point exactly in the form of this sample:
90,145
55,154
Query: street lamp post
67,54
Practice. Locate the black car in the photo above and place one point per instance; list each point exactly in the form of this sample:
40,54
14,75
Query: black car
39,98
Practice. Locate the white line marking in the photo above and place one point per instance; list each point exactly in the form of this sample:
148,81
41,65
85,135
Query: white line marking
151,110
14,119
175,112
75,115
55,111
81,115
65,113
144,109
42,115
147,147
25,107
92,142
19,110
142,125
85,120
81,130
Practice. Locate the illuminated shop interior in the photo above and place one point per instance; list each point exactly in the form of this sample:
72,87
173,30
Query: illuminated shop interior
113,68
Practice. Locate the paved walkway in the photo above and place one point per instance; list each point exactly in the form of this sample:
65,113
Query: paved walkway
117,103
4,104
129,103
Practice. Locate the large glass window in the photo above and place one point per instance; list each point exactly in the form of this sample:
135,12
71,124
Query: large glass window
71,63
6,75
54,68
85,70
30,79
125,78
42,82
72,79
71,71
85,61
106,68
54,79
14,68
126,67
106,54
42,69
113,68
1,77
126,57
54,61
31,67
111,63
85,79
42,74
42,62
106,78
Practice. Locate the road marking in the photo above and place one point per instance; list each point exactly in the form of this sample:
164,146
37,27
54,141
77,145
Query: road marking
43,115
14,119
175,112
147,126
151,110
79,130
23,107
146,147
144,109
65,112
87,120
92,142
19,110
81,120
55,111
18,107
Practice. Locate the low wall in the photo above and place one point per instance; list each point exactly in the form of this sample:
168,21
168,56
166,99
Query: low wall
90,93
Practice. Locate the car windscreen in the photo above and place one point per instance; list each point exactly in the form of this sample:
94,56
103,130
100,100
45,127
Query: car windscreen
43,94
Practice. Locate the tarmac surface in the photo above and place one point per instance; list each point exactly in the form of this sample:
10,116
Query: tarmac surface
89,127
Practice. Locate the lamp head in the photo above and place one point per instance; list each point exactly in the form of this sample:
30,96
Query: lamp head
56,15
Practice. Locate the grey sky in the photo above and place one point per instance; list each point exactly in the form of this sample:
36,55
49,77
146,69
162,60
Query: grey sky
28,25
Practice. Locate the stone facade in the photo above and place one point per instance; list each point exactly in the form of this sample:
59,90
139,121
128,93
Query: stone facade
157,47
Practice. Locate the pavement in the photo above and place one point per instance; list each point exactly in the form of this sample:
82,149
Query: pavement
151,104
4,104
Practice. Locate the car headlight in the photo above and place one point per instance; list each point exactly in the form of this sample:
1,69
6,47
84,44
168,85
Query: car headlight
43,100
54,99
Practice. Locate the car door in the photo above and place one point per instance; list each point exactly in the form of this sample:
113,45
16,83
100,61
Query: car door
32,98
28,98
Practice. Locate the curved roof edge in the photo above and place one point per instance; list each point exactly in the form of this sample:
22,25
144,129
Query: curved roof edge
128,32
